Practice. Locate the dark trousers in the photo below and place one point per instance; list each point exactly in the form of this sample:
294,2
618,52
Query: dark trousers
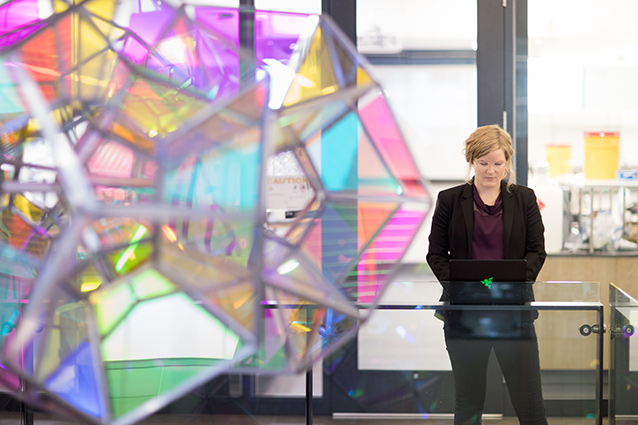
518,358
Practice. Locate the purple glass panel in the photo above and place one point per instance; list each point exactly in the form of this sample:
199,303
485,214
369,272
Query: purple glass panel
9,39
225,22
149,26
18,13
276,34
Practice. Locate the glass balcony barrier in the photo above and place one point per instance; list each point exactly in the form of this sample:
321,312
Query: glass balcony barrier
396,365
399,367
623,357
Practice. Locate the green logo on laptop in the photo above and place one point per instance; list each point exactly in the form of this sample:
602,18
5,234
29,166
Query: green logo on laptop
487,282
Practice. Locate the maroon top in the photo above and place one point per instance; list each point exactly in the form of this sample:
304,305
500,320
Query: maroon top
487,238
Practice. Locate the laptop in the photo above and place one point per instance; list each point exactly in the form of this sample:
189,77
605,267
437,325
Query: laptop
488,282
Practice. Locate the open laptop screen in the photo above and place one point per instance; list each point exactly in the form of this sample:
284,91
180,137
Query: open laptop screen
488,282
479,270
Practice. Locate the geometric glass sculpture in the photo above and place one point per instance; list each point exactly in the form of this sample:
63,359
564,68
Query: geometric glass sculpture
181,199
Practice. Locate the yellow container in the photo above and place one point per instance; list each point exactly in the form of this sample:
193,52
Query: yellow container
559,158
601,155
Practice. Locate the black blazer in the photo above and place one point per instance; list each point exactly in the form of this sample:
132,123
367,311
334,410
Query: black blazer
453,224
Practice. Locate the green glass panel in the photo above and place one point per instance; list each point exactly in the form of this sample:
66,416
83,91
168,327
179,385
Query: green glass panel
151,284
111,305
163,343
132,386
169,327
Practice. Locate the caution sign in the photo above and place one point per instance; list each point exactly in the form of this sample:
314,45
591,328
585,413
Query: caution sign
290,193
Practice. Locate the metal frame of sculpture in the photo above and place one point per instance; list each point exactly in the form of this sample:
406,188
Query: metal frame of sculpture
141,256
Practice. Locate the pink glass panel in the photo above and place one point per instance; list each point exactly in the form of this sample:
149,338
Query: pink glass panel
380,124
379,260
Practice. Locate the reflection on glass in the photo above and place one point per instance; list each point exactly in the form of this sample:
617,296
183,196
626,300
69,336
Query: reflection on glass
426,63
581,71
404,346
623,363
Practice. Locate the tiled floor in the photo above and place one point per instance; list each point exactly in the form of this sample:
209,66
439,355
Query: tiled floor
42,419
15,419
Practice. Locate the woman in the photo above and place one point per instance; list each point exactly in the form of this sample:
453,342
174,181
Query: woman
490,217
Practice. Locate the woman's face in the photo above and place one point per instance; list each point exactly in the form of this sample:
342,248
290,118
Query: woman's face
489,170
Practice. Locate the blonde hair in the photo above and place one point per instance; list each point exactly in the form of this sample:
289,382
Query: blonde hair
487,139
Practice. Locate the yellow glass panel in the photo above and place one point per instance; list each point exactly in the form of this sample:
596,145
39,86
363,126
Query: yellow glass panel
103,8
60,6
158,109
238,301
92,60
363,77
133,138
316,75
88,280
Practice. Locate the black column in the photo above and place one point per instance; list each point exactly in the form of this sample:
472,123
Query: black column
521,92
344,13
496,71
247,38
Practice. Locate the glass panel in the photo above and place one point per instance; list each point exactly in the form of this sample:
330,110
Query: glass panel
426,62
623,363
582,110
404,345
307,6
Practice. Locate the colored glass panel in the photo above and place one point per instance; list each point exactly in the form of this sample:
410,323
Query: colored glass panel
151,284
111,306
112,160
156,109
343,57
380,124
136,385
103,8
16,265
173,326
222,21
76,381
374,178
316,75
89,279
60,338
136,254
196,267
86,69
312,243
387,249
21,229
225,179
10,99
339,239
18,13
363,77
238,301
150,25
339,155
277,34
372,218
